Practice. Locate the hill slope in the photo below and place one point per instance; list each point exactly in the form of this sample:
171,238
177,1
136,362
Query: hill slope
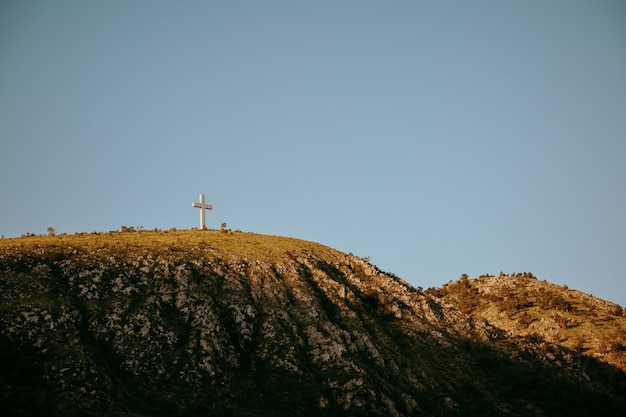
211,323
526,307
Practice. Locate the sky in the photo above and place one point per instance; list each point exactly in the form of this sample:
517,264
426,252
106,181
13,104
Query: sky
437,138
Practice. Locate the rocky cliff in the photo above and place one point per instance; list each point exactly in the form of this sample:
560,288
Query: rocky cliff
210,323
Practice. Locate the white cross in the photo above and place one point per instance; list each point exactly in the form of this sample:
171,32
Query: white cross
202,206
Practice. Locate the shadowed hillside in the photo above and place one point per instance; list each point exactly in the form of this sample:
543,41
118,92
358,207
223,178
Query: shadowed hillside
196,323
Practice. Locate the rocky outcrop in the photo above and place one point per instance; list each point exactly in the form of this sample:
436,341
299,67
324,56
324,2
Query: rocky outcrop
211,323
524,307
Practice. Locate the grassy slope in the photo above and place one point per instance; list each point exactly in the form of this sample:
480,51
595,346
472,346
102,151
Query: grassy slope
239,244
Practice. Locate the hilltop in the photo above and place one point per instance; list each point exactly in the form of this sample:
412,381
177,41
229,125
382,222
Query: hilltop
526,307
219,323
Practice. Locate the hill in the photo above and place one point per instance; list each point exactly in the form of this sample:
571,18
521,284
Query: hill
525,307
193,323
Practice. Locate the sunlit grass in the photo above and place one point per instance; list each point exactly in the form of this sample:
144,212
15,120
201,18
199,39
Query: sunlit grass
219,243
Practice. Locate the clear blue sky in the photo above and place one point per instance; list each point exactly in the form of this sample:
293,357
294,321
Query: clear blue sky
436,137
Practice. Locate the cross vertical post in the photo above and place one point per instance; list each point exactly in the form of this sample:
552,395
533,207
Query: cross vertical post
202,206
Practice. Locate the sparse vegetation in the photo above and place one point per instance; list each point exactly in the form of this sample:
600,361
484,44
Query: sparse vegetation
531,308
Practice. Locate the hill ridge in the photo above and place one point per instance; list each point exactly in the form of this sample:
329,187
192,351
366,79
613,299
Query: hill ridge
233,323
525,306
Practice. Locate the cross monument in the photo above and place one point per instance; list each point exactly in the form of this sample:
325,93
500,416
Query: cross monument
202,206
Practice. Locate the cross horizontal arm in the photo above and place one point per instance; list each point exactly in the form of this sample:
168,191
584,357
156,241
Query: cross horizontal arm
204,206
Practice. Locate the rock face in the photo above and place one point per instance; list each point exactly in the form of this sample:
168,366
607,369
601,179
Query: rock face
525,307
218,323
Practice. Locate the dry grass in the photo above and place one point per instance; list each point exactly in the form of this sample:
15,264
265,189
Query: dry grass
221,243
528,307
